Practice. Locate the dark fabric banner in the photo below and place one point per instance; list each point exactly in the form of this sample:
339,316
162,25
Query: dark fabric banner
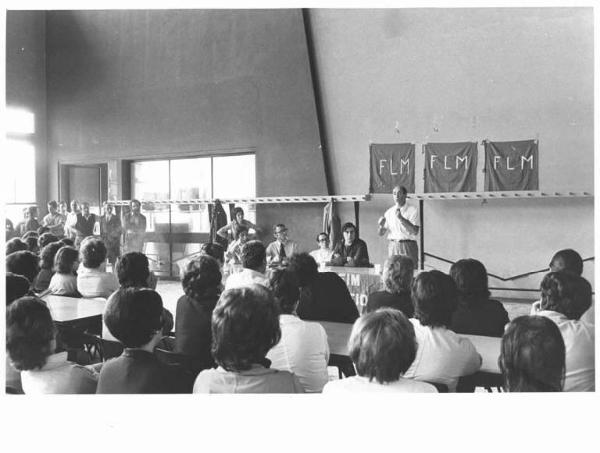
450,167
511,165
392,164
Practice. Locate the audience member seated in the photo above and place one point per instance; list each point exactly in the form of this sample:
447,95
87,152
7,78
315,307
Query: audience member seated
30,221
134,317
16,286
68,242
45,239
476,313
202,287
280,250
92,278
23,263
47,255
532,357
31,342
255,266
41,230
64,280
565,297
234,251
231,230
10,230
398,274
303,348
382,346
324,296
323,254
245,326
15,245
31,239
442,355
350,251
214,250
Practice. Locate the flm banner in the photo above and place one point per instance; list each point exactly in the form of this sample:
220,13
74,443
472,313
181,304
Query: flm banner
450,167
392,164
511,165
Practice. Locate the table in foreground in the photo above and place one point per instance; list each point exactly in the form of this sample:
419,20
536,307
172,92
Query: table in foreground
73,309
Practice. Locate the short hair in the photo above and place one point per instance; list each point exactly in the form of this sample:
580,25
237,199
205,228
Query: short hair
93,252
134,315
45,239
245,326
280,226
29,234
67,241
16,286
434,297
64,259
403,189
42,230
566,293
202,278
348,225
135,201
532,355
253,255
398,272
63,203
237,210
286,290
48,254
15,245
305,267
32,244
31,210
29,333
471,279
239,229
53,204
23,263
567,260
322,233
382,345
214,250
133,270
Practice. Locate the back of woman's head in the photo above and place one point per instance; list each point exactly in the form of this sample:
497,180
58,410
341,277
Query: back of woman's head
16,286
29,333
245,326
32,244
470,277
305,267
23,263
214,250
93,252
286,290
532,357
133,270
48,254
202,278
567,260
434,297
15,245
45,239
566,293
382,345
65,259
398,274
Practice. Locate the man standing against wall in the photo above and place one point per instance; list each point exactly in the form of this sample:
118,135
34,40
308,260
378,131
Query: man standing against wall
54,220
135,229
84,226
401,222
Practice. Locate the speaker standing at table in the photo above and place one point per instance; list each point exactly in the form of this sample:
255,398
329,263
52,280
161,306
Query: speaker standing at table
401,222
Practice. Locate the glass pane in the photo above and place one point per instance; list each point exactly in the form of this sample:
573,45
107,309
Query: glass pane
14,212
235,176
150,181
19,121
190,180
19,184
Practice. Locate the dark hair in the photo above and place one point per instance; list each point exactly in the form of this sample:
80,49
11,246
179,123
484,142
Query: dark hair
45,239
47,255
470,277
42,230
135,201
32,244
29,234
202,278
305,267
321,234
286,291
93,252
382,345
567,260
236,210
15,245
348,225
29,333
253,255
280,226
566,293
434,297
16,286
68,242
133,315
245,326
403,189
398,274
64,259
23,263
239,229
214,250
133,270
53,204
532,357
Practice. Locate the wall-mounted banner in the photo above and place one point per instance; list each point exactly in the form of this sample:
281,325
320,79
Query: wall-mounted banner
511,165
450,167
392,164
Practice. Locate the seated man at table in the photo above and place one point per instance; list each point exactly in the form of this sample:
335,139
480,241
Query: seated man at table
234,250
350,251
255,265
134,317
324,296
442,355
280,251
323,254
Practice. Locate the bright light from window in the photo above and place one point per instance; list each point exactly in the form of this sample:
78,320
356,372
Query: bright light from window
234,176
19,184
19,121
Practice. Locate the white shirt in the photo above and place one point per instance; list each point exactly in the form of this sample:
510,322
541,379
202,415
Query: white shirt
322,255
442,356
59,376
579,345
359,384
396,230
589,316
303,350
96,283
245,278
273,248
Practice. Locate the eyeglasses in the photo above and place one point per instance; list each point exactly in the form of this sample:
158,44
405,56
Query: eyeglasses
323,240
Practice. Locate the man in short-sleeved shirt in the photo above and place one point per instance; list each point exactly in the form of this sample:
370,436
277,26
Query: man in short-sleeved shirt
54,220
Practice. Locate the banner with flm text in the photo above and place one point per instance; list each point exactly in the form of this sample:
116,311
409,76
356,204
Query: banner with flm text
392,164
511,165
450,167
